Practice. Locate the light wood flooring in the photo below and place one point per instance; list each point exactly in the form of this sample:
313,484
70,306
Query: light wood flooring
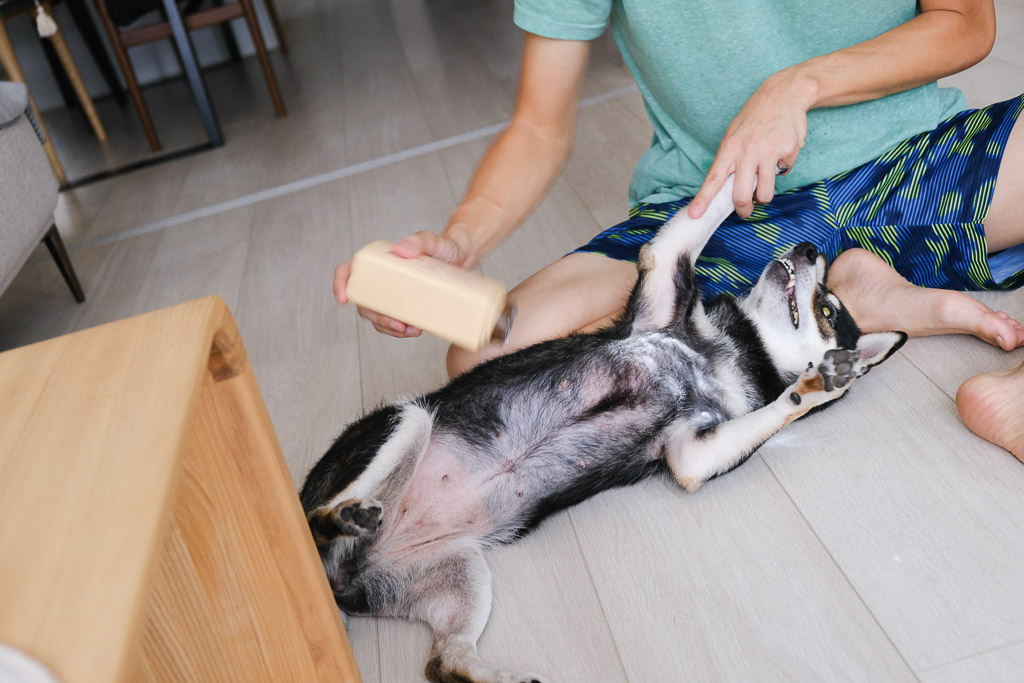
878,541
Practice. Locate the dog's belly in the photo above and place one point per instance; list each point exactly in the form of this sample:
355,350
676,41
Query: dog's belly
443,502
493,464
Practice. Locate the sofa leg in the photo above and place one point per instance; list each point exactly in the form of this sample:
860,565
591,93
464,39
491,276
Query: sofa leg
56,246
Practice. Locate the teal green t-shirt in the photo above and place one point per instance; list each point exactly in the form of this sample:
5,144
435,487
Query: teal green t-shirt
697,62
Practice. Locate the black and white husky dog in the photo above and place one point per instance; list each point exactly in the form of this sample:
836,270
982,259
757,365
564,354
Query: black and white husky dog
407,499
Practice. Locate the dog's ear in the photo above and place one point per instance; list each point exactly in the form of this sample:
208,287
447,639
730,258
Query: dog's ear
877,346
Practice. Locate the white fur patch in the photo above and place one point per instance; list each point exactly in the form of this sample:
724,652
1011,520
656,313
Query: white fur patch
412,434
681,235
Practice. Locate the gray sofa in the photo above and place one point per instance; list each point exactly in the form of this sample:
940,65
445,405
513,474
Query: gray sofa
28,192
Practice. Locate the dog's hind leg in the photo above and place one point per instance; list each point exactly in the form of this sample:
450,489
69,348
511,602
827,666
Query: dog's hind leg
453,596
367,469
666,287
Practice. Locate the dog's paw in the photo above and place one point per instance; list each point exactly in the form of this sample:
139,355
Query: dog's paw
840,367
475,672
518,677
828,381
358,517
353,517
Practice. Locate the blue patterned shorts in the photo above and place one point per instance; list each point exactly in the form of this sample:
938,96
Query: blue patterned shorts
921,207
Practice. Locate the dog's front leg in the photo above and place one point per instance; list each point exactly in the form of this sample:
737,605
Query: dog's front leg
666,281
696,457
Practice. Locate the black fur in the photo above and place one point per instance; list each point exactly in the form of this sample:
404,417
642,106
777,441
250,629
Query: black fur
754,360
349,456
847,332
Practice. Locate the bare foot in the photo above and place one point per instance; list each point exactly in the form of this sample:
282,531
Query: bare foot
880,299
992,406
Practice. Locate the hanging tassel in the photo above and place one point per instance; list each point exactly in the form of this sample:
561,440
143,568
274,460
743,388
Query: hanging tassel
45,24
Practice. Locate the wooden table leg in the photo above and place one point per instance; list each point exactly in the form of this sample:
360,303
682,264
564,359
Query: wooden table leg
10,63
76,79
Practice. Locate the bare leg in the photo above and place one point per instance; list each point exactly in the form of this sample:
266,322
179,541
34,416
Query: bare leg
880,299
992,404
577,293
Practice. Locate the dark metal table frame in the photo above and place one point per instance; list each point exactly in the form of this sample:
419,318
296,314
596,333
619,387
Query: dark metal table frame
193,74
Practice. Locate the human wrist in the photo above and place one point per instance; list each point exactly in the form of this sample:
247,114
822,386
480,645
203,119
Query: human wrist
461,233
800,84
473,227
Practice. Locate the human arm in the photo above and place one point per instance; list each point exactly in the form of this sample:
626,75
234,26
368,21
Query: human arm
946,37
514,174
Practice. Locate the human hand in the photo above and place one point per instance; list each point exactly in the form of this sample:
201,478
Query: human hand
765,137
422,243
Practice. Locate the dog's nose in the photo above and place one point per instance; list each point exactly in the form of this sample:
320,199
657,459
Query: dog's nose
807,250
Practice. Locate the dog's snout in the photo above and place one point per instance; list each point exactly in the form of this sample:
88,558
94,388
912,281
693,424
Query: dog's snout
807,250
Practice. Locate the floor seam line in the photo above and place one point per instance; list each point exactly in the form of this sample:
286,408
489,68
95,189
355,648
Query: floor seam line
842,571
318,179
980,653
597,594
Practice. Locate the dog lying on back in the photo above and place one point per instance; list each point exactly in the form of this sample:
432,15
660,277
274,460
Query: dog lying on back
404,503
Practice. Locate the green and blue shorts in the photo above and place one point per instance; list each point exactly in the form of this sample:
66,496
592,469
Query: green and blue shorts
921,207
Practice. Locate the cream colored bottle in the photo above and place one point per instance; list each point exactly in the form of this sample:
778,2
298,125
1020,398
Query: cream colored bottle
463,307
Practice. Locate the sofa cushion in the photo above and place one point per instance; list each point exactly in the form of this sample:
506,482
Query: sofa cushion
28,196
13,102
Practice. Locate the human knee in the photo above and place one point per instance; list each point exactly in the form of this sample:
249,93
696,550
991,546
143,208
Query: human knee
528,330
460,361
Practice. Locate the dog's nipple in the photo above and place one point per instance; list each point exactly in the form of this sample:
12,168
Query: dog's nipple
582,464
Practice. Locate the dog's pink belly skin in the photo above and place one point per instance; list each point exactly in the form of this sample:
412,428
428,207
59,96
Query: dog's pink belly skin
443,502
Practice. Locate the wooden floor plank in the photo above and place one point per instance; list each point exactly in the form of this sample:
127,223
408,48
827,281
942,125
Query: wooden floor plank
609,141
997,666
204,257
286,304
923,518
727,584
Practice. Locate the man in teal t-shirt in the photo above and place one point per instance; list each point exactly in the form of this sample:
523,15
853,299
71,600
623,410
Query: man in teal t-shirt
694,79
910,196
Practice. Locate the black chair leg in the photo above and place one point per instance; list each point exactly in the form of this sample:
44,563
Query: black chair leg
56,246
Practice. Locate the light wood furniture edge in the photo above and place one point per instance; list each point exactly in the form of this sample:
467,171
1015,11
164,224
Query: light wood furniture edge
149,529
